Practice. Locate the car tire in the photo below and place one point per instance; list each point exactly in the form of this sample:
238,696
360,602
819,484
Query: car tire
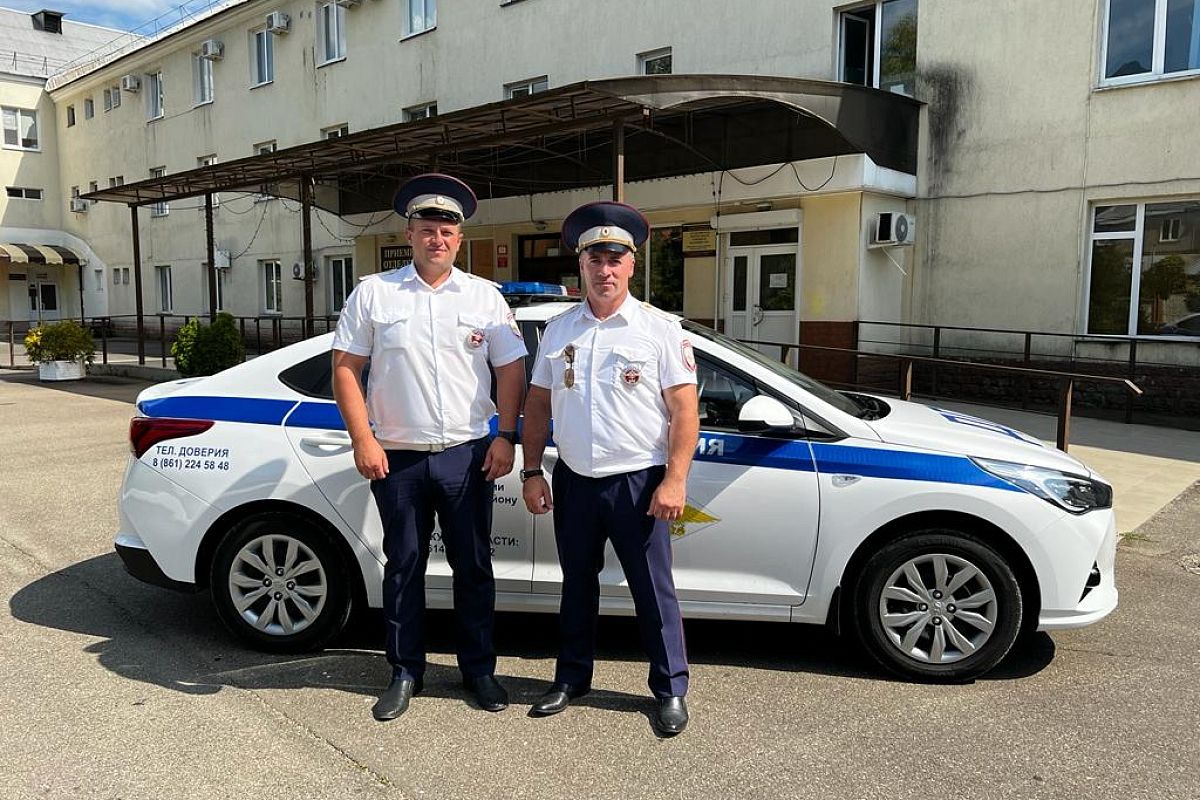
280,584
937,605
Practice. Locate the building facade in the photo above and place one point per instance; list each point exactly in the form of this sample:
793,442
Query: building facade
1055,189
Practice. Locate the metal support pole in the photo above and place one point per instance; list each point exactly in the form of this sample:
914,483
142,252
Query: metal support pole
306,230
162,338
82,315
1064,413
1132,373
137,284
618,151
937,353
212,255
906,379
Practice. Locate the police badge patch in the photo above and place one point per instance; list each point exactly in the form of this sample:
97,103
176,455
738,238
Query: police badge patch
631,375
475,339
511,320
689,358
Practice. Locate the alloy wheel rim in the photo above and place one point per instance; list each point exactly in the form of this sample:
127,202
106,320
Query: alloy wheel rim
278,585
938,608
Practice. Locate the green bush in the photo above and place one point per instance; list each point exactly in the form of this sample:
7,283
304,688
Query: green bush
207,349
59,341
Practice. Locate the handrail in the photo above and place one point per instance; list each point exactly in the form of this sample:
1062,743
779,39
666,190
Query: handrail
906,362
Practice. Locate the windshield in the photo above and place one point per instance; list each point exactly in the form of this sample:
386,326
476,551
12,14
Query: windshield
813,387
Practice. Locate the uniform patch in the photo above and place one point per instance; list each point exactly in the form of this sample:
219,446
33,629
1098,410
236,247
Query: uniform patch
631,375
475,339
689,357
511,320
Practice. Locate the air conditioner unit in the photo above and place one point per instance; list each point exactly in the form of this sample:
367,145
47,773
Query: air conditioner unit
347,3
130,83
79,204
212,49
278,22
221,259
894,229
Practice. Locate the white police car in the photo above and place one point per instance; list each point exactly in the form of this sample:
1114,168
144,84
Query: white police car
935,537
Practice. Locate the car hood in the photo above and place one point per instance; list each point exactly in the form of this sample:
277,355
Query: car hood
932,428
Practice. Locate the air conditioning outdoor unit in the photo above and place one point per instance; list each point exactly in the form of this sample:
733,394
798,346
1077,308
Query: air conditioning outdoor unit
79,204
221,259
130,83
278,22
212,49
894,229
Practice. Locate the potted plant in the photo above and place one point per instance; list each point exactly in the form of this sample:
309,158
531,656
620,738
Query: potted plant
60,349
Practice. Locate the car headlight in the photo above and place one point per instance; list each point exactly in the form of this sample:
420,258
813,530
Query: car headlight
1075,493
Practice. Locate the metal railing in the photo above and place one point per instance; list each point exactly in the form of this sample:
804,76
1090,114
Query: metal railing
905,363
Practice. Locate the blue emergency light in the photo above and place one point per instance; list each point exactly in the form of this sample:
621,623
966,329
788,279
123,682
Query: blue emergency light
533,287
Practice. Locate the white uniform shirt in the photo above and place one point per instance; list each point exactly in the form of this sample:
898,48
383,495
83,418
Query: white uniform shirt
429,381
613,418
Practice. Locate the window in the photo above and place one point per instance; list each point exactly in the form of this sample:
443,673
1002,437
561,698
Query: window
336,132
20,128
116,181
208,161
656,62
116,276
89,108
420,16
161,208
526,88
24,193
222,276
331,33
116,96
261,149
202,79
155,108
166,298
93,186
1146,39
262,61
1165,286
340,270
272,287
99,280
879,45
107,96
414,113
660,265
70,120
125,276
722,395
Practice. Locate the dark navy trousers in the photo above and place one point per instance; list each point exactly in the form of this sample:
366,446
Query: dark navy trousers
450,484
587,511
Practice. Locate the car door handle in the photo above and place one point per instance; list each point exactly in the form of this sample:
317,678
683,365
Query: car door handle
332,440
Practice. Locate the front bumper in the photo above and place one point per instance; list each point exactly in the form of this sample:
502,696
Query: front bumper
1080,601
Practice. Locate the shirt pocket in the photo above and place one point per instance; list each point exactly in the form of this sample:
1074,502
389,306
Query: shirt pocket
470,334
557,360
394,330
630,368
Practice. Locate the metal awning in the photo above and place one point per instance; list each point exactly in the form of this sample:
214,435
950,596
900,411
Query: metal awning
26,253
560,139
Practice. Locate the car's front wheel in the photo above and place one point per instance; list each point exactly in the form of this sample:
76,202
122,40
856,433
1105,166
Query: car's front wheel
937,605
279,583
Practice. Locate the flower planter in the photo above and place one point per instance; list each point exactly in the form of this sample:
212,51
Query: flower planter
61,370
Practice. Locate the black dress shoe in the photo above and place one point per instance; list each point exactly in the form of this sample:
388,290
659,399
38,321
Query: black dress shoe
394,700
558,697
488,692
672,716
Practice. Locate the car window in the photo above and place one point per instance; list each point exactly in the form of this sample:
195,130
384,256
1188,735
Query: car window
1190,324
722,395
314,376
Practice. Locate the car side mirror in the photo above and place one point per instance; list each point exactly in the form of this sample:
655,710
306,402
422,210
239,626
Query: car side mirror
763,414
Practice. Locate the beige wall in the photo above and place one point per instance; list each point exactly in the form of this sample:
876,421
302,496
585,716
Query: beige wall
24,168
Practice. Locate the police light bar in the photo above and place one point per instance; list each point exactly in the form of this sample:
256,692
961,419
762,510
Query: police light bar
533,287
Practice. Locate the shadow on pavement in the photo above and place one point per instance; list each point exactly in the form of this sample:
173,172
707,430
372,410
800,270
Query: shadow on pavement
174,640
105,387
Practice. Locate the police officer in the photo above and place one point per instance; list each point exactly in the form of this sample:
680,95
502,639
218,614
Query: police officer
619,378
420,435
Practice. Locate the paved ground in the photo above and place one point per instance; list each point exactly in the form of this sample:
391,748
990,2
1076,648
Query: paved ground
115,689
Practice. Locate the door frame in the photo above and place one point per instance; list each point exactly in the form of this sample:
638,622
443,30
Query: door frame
762,220
36,314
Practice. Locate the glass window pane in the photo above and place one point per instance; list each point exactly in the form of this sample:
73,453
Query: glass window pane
666,269
722,395
739,283
1115,218
1170,282
898,46
777,282
1130,37
49,296
857,48
1183,35
1108,298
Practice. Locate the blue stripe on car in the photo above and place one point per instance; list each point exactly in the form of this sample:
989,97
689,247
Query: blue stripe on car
722,448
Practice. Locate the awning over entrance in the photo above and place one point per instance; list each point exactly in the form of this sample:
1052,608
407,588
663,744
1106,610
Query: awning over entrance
25,253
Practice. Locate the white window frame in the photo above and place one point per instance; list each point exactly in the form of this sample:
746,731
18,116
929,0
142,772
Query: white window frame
116,275
166,289
530,85
428,16
336,131
24,193
222,276
327,13
125,276
156,106
262,71
1158,57
116,96
262,148
99,280
115,181
70,117
420,112
203,86
345,263
18,114
1171,229
107,95
208,161
265,268
644,59
876,42
89,108
161,208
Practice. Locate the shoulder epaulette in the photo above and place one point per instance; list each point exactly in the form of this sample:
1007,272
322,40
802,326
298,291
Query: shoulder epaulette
660,313
563,313
481,278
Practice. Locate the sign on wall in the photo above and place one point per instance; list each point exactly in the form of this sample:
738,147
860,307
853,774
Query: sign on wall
394,256
699,242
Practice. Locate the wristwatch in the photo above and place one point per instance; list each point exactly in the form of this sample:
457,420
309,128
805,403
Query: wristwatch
508,436
526,474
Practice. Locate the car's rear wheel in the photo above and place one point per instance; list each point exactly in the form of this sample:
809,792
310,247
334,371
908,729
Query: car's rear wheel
279,583
937,605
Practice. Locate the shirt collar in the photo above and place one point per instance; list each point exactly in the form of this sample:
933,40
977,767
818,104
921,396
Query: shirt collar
454,283
627,311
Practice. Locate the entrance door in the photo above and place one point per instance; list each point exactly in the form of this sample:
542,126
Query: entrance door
762,294
43,301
